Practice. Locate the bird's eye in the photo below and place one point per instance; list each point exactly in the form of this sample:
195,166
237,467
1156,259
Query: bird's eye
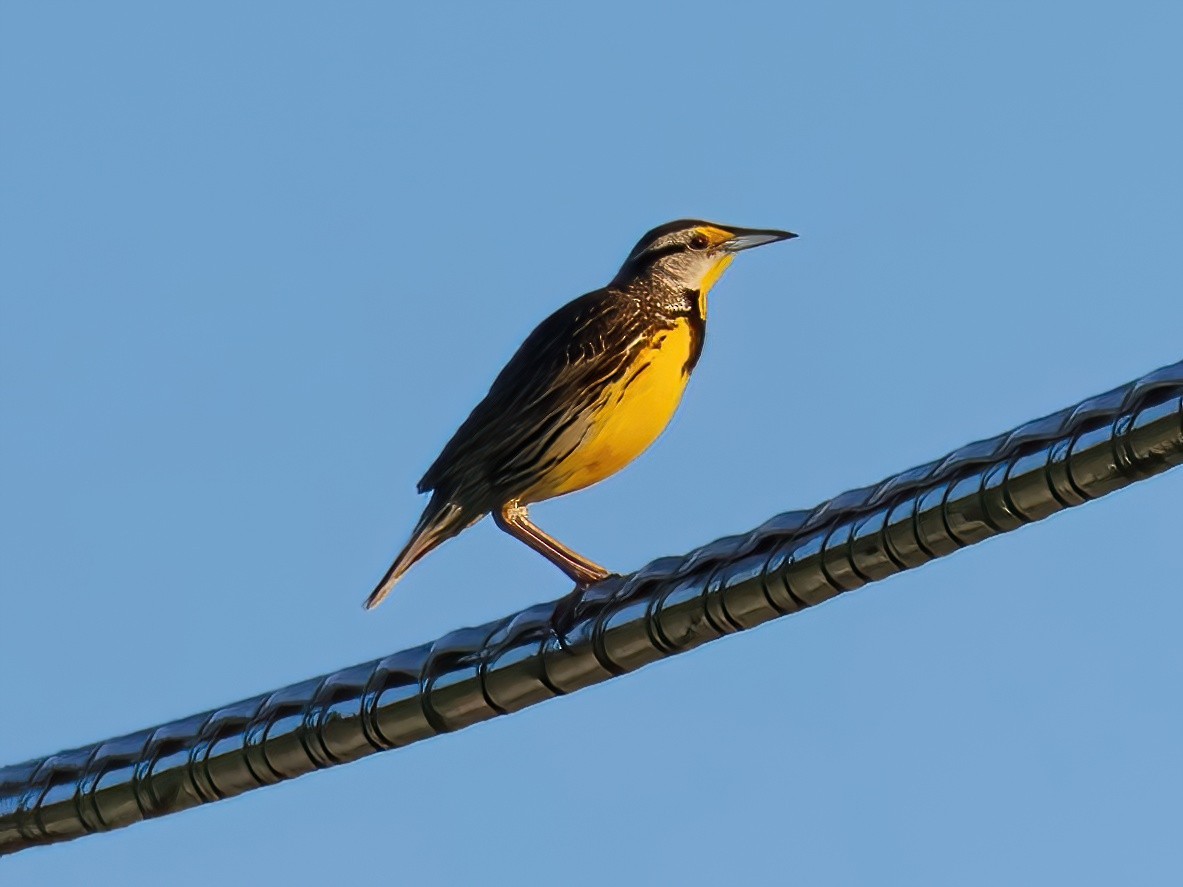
699,241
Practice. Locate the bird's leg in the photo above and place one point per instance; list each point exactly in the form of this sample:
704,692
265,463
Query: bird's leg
513,518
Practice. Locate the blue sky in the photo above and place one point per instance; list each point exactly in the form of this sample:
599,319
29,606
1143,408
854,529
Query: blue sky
258,261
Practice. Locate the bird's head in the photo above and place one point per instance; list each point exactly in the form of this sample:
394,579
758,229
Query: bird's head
691,254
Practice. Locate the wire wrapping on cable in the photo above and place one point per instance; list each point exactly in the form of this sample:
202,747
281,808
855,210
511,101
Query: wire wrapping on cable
793,561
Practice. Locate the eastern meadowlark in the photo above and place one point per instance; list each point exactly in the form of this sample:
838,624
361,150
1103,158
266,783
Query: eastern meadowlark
587,392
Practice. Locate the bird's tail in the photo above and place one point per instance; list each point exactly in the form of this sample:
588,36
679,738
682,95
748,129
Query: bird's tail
440,522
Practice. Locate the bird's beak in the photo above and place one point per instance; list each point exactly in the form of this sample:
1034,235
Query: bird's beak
746,238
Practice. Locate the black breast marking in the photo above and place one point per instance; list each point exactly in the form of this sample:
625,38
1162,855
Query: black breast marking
698,331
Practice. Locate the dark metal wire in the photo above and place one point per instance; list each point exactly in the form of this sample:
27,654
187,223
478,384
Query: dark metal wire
793,561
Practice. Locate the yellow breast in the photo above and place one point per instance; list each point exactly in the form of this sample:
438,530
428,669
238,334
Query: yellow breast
629,416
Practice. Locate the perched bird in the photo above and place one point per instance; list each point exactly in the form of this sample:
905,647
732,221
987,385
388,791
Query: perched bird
587,392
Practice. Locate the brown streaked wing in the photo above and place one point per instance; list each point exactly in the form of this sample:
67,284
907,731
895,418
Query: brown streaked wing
554,377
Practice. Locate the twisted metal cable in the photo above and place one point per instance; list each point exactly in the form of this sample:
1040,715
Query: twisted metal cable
795,560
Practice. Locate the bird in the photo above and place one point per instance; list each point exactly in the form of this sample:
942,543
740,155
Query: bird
586,393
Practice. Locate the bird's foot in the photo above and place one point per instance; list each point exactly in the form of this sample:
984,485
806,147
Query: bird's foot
586,574
567,611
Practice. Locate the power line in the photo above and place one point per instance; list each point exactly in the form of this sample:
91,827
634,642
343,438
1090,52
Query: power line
793,561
